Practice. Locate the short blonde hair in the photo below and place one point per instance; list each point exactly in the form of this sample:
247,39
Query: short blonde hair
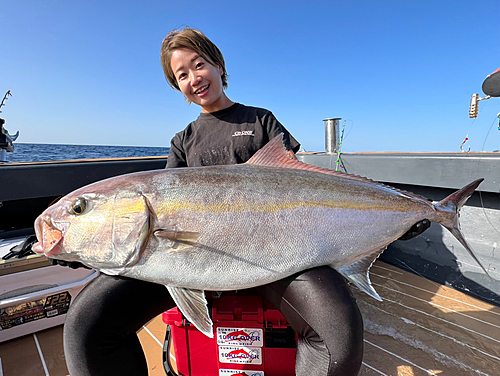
194,40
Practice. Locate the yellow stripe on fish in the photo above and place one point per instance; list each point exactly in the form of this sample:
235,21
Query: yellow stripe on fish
240,206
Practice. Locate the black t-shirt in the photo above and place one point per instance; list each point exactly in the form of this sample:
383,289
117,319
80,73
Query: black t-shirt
226,137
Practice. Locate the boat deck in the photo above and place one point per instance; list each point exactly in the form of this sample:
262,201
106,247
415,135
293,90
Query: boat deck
421,328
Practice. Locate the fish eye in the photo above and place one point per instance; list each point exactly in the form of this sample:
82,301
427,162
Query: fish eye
79,206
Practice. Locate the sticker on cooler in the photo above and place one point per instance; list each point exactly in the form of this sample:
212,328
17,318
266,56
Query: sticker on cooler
240,336
239,372
240,355
42,308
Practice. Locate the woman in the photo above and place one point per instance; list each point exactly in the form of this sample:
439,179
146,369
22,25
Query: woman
329,325
100,330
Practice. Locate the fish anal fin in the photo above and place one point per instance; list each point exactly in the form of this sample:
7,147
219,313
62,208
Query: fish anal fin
358,273
193,305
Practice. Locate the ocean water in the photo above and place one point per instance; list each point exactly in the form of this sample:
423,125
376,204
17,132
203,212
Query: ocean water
55,152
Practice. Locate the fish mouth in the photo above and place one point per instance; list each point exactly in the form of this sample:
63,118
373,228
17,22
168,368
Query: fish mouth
49,238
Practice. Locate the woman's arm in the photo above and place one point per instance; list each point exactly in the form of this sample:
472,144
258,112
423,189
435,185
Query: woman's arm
275,128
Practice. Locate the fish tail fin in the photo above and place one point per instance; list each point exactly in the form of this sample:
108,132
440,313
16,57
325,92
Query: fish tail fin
448,212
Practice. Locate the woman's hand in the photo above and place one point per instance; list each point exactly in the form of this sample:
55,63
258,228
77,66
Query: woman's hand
70,264
416,229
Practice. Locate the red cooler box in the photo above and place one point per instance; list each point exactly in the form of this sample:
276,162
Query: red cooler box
251,338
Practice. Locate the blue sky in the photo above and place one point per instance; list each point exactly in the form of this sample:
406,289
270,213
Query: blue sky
401,73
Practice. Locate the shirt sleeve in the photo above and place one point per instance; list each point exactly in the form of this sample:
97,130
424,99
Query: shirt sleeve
176,155
274,128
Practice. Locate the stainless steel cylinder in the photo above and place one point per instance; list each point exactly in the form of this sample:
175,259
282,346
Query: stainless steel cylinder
331,135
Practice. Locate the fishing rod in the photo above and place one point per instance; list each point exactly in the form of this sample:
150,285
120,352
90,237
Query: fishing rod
491,87
5,97
6,139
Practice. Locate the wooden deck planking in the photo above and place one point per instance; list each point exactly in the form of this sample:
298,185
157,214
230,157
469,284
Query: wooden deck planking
460,325
421,328
152,342
51,345
390,361
435,327
20,357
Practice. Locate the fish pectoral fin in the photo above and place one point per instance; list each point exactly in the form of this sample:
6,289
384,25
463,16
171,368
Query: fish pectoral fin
193,305
358,273
187,237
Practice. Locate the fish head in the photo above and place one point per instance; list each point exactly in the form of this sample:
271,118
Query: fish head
103,225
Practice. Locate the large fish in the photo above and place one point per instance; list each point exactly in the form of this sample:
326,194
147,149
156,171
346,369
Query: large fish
235,227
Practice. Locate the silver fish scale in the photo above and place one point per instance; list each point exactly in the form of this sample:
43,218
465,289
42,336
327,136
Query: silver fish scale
235,227
260,224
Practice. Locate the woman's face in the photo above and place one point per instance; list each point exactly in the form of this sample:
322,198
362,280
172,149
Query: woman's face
199,80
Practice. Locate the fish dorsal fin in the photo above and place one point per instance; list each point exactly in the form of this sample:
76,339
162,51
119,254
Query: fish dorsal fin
274,154
358,273
193,305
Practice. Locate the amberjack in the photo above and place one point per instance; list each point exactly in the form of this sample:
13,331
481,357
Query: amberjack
234,227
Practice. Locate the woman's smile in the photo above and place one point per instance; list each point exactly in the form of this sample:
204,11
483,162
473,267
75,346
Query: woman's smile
199,80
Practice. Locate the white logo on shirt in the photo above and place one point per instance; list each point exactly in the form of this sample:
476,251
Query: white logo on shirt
243,133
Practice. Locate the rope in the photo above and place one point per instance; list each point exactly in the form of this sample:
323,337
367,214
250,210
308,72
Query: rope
480,157
339,146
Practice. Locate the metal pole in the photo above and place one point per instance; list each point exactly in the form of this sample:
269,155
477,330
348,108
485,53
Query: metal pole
331,135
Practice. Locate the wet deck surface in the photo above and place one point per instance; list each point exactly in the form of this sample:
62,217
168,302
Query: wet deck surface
421,328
